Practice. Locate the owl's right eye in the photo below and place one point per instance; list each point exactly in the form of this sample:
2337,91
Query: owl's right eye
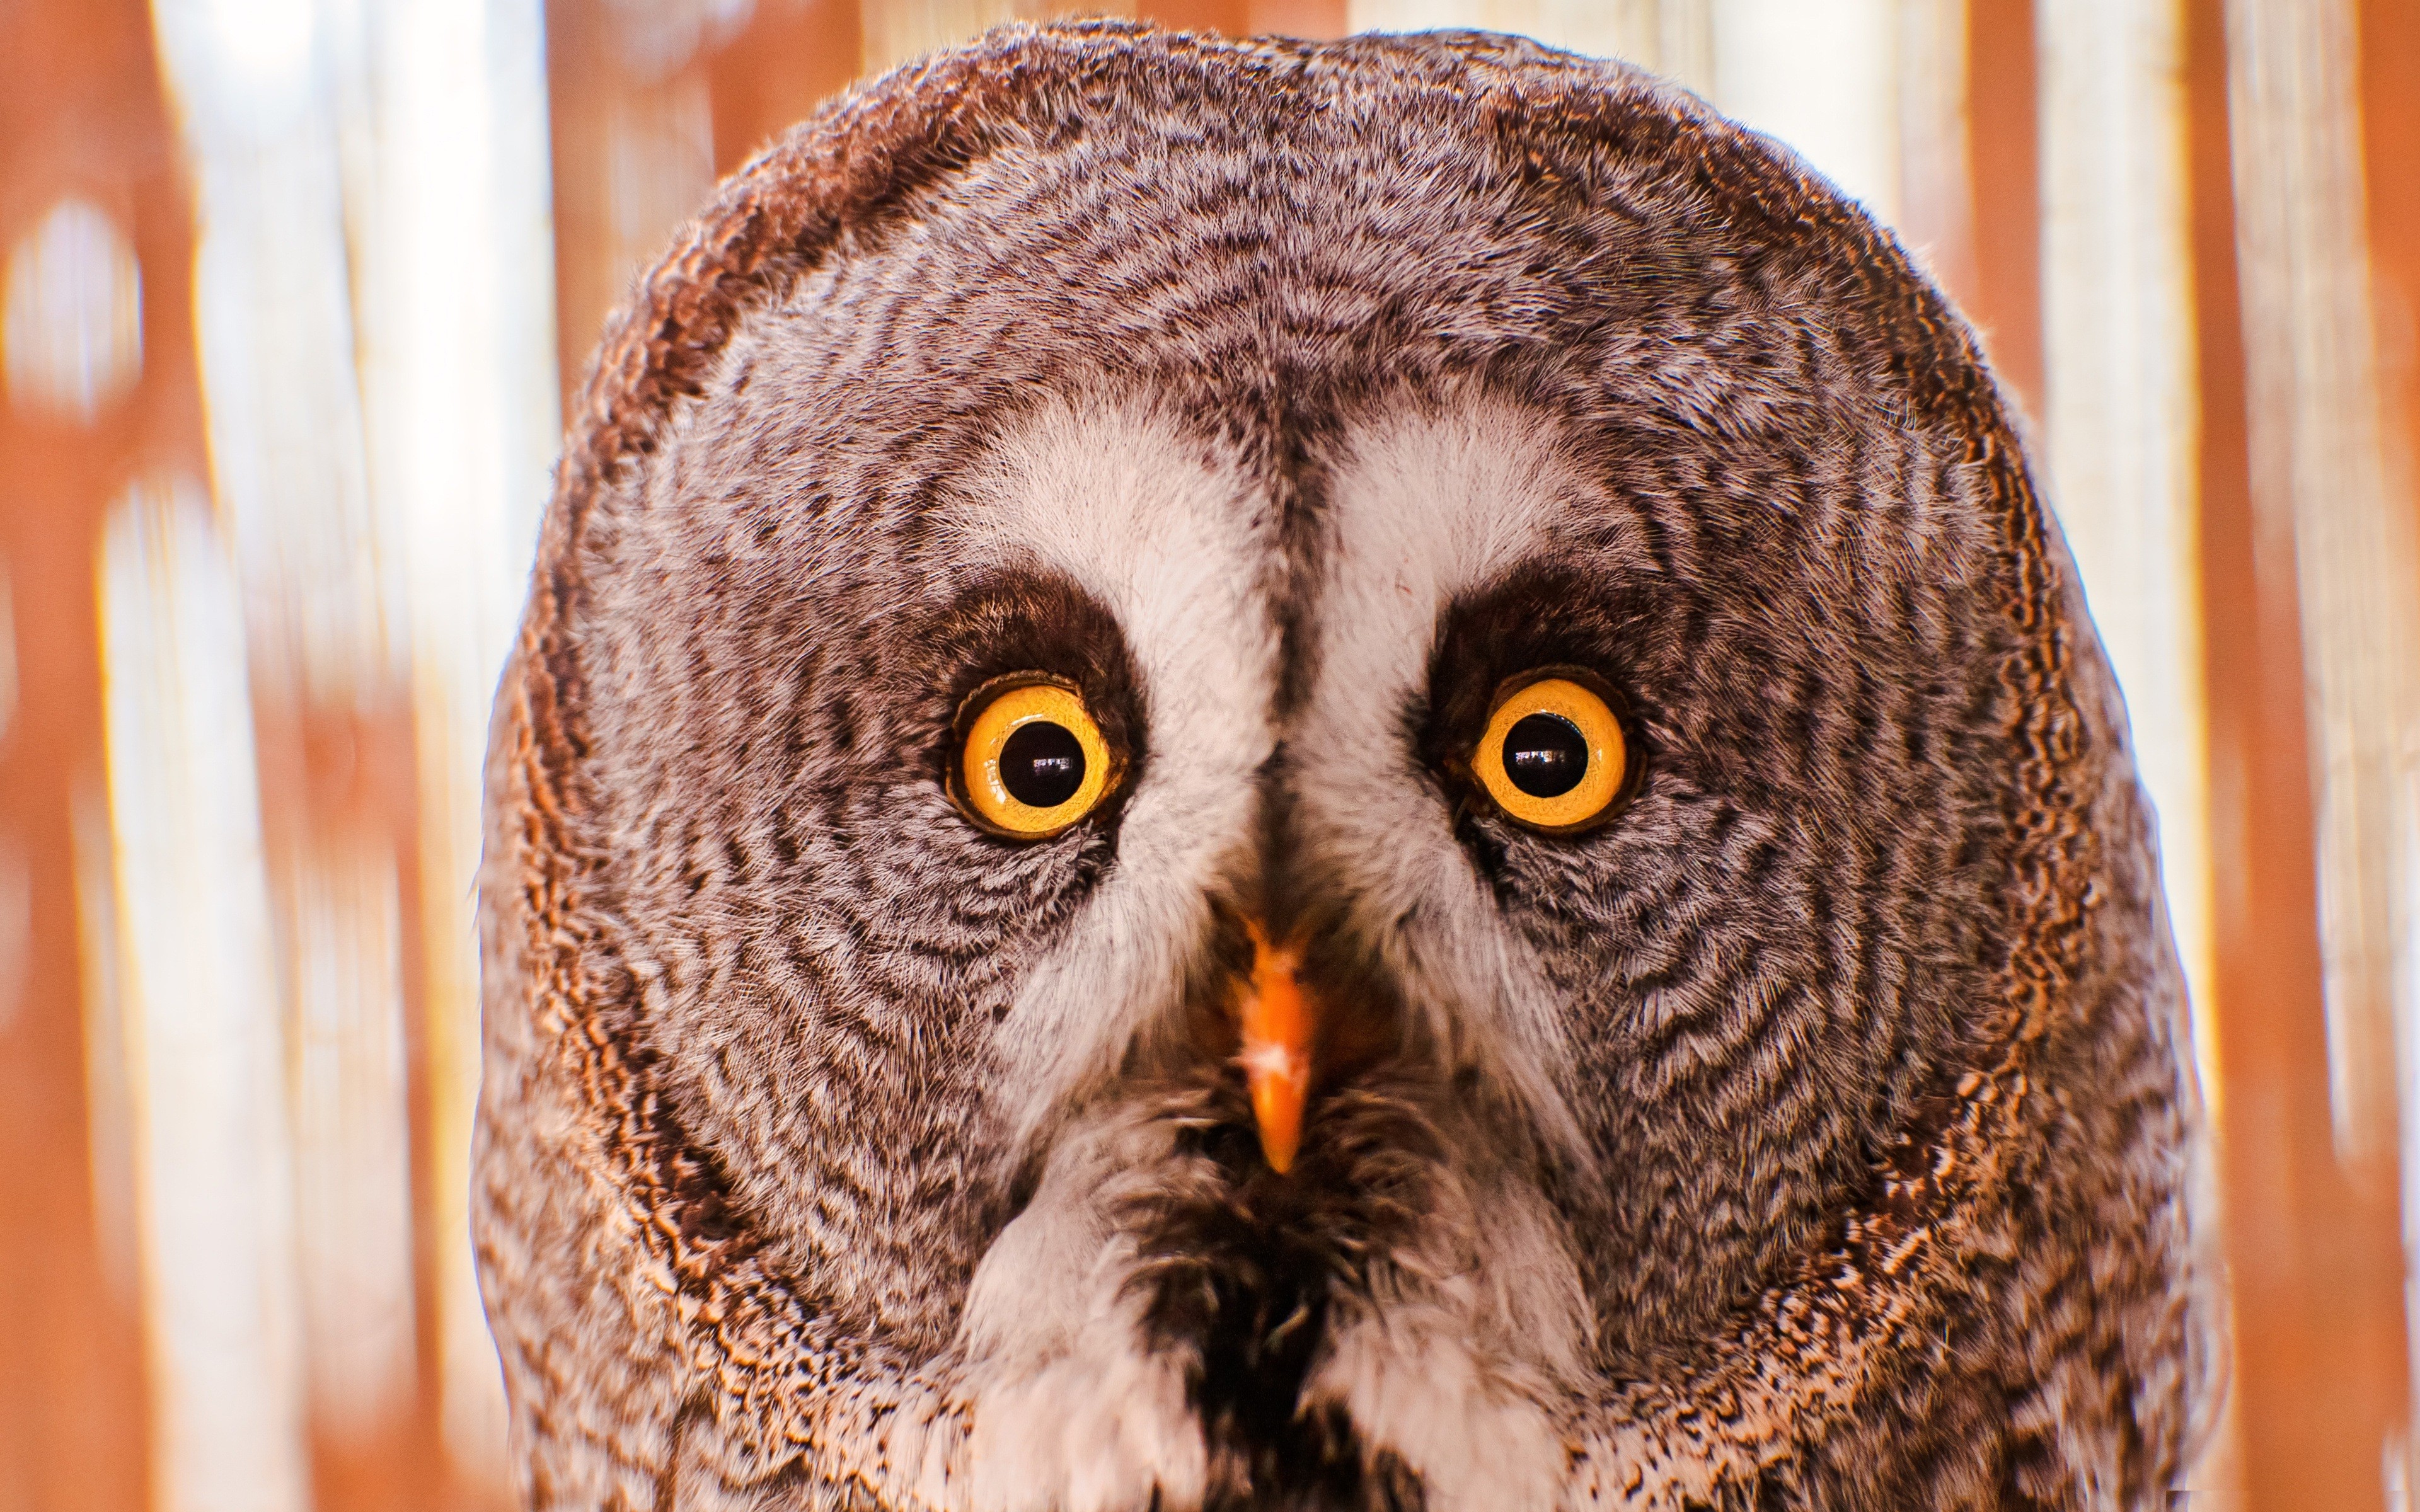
1552,757
1032,761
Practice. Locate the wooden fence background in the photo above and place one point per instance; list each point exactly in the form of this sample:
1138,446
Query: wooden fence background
294,289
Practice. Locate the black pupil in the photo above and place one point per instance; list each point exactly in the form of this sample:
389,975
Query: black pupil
1545,755
1042,764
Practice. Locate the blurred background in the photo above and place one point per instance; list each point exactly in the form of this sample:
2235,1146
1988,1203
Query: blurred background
295,292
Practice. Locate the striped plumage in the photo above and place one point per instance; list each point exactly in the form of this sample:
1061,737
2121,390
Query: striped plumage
1818,1133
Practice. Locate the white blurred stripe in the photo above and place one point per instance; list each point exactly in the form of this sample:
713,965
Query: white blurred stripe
457,304
352,1126
273,286
1822,75
2321,460
199,1015
272,308
376,302
2333,491
1936,190
71,319
2122,413
277,354
2121,418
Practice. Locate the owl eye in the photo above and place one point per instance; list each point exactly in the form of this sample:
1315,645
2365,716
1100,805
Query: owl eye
1032,761
1552,757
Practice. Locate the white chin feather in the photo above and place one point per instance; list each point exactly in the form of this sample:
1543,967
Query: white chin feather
1072,1410
1477,1444
1099,1428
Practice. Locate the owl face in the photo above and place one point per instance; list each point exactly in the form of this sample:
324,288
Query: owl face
1301,785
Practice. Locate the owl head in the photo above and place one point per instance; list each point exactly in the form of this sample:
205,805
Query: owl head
1247,774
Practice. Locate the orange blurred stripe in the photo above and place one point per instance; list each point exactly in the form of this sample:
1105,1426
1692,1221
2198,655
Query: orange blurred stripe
82,112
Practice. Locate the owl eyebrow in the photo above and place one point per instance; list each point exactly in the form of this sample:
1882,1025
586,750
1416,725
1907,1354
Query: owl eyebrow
1012,619
1539,613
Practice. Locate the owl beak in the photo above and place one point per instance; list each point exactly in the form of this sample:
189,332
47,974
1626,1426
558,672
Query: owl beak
1276,1048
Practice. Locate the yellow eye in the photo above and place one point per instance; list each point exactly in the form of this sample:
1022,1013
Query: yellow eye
1552,757
1032,762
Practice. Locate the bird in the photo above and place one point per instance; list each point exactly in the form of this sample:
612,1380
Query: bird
1349,775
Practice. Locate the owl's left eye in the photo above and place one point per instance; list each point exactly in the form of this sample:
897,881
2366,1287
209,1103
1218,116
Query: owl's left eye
1032,761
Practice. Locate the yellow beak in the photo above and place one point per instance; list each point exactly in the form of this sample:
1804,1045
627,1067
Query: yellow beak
1276,1048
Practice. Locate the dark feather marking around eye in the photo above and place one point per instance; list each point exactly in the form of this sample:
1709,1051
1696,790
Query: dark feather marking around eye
1533,617
1013,621
1487,848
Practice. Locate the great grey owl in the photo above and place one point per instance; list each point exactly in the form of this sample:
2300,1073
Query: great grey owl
1263,775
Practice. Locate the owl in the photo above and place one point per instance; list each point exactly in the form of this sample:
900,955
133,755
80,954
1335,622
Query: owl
1348,775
